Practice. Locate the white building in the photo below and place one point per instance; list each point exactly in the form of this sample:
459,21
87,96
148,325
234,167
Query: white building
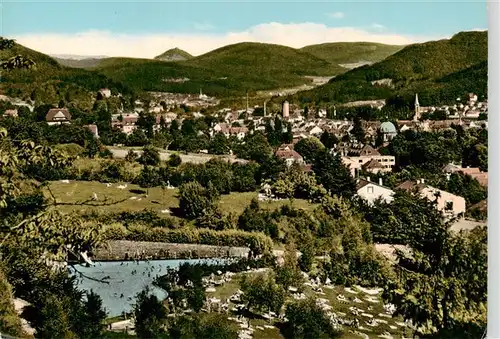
371,191
450,205
105,92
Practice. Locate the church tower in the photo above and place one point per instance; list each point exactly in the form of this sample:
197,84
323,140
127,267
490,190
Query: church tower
417,109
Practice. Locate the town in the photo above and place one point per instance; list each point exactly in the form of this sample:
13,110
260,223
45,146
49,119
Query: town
337,190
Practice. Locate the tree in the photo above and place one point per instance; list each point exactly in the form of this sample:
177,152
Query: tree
256,148
307,258
93,317
92,147
309,148
357,130
244,177
131,156
150,316
333,174
174,160
219,144
289,273
195,200
306,319
195,297
210,325
10,323
443,291
146,122
51,320
254,219
262,293
149,157
329,140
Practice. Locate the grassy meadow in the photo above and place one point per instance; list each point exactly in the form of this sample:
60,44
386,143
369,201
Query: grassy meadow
157,199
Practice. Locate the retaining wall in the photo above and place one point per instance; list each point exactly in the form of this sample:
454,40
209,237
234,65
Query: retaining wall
117,250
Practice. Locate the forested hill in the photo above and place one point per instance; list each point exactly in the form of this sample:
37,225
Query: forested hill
49,82
439,71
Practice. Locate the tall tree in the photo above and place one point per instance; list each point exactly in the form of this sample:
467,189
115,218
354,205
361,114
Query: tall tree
333,174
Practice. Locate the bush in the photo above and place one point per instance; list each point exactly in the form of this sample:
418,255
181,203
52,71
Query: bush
306,319
9,320
233,238
174,160
73,150
149,157
195,200
131,156
106,153
261,292
211,325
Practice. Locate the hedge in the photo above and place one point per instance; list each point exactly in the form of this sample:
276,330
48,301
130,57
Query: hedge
233,238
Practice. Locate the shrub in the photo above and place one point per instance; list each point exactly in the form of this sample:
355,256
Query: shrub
261,292
306,319
195,200
149,157
174,160
234,238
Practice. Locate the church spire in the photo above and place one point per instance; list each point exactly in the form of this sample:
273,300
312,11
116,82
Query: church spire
416,117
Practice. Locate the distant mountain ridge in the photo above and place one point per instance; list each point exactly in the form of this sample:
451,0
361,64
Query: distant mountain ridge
439,71
235,69
174,54
77,57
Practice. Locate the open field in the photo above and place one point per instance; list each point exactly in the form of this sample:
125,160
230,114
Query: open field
368,301
157,199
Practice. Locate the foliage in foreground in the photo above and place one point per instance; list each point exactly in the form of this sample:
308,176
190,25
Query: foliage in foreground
306,319
442,286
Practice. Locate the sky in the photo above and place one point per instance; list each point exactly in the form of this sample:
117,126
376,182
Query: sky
146,29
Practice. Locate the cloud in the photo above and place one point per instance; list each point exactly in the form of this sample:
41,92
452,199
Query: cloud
199,26
377,27
336,15
149,45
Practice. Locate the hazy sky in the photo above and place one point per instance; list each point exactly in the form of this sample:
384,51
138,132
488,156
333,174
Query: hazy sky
146,29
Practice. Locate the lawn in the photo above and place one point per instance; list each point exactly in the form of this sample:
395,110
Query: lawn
157,199
370,304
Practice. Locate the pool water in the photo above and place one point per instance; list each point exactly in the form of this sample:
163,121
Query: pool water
126,279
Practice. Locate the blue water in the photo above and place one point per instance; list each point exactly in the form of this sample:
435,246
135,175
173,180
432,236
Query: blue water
123,282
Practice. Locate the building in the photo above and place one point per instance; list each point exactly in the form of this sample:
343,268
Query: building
287,153
105,92
373,166
366,158
286,110
93,129
11,113
417,115
474,172
450,205
371,191
58,116
388,130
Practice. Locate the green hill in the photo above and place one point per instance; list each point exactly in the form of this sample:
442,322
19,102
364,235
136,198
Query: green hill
438,70
351,52
174,54
230,70
49,81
